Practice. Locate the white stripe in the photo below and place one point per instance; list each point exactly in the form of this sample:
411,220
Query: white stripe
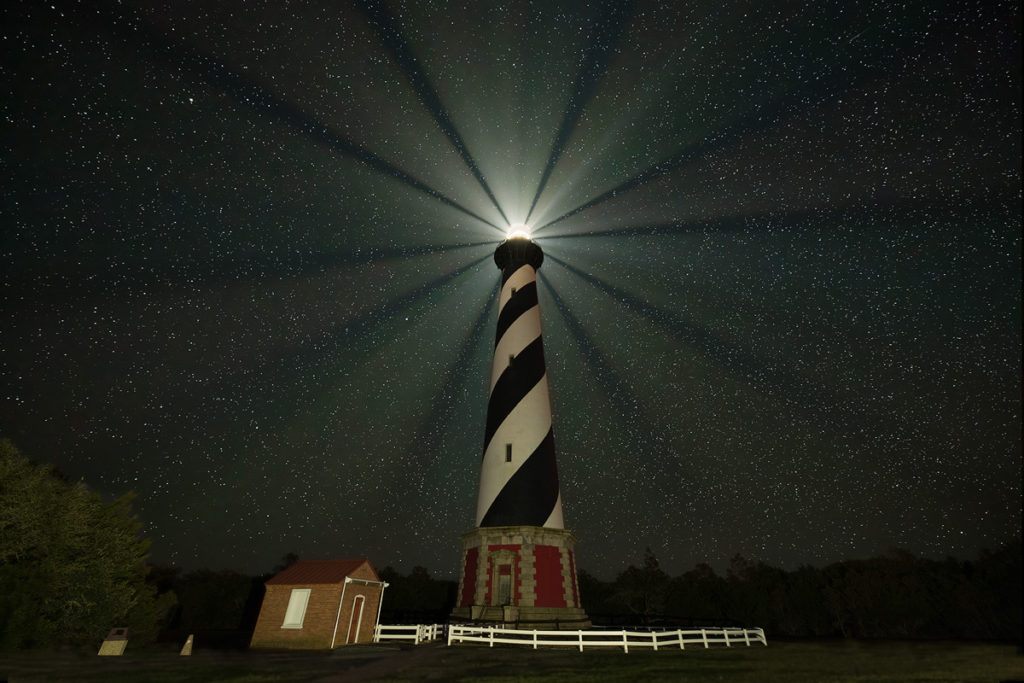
555,520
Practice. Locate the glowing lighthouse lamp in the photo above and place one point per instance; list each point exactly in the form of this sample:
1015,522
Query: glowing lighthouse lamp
518,564
517,231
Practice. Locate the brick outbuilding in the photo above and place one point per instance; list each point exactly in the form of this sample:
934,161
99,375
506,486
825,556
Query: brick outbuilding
320,605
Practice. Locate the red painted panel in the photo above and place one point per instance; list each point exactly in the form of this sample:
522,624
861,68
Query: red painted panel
469,578
548,564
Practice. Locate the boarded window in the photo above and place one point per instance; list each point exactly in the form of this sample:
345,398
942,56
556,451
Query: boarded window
296,611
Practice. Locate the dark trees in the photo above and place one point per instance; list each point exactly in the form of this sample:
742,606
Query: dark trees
219,608
642,591
416,598
71,566
700,595
214,600
597,596
896,595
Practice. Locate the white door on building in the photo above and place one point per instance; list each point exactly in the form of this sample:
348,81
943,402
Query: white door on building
355,619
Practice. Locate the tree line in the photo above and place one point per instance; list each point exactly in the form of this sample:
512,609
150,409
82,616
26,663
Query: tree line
896,595
73,566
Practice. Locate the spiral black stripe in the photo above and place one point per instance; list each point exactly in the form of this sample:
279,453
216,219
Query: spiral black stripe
531,493
523,300
513,385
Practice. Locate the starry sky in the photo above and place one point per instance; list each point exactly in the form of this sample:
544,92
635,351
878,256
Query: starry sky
247,269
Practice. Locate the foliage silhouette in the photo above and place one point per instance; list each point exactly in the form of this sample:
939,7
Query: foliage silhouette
71,566
896,595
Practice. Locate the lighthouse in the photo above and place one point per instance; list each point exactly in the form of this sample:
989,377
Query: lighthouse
518,565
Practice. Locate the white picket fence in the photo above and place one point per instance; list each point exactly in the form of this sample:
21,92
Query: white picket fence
602,638
417,633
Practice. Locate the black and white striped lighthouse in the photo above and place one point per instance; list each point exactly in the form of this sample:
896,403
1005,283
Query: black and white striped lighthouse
518,475
518,564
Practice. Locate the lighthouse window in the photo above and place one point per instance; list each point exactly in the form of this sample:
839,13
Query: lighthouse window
513,293
511,357
508,452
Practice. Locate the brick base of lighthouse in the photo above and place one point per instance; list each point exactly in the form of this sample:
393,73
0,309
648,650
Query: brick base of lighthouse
521,575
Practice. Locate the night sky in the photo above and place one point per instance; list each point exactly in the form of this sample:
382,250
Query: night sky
246,270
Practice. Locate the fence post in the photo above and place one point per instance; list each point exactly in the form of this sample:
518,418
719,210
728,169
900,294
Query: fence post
654,640
376,633
725,632
490,632
681,639
580,633
746,636
625,641
451,631
704,635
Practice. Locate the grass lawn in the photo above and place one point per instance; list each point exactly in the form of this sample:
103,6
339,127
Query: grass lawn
793,661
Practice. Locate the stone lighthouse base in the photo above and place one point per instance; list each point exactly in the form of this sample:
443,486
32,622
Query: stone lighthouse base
521,576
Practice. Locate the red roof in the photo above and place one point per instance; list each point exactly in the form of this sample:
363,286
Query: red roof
319,571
